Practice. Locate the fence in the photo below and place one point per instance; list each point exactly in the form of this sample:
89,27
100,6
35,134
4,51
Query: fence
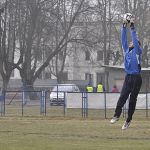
77,104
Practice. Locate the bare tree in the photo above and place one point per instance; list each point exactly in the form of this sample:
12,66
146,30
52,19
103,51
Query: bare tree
7,40
140,9
32,19
30,29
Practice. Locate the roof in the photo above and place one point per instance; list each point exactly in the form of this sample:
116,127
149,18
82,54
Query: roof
122,67
113,66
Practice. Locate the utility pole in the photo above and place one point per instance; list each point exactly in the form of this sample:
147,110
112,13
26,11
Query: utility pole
1,31
1,11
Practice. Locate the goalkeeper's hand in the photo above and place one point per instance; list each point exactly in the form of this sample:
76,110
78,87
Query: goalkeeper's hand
124,22
132,22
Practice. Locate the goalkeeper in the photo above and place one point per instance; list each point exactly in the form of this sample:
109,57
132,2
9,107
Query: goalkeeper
133,80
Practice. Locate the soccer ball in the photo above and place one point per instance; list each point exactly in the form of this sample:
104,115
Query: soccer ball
127,17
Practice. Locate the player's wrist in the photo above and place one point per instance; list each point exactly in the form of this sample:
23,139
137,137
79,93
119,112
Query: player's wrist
132,25
124,25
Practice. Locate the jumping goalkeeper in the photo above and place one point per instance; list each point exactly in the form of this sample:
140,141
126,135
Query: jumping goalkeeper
133,80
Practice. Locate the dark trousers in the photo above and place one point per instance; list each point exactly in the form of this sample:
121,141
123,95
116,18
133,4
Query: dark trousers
131,86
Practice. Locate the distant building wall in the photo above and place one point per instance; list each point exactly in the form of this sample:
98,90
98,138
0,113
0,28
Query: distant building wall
116,76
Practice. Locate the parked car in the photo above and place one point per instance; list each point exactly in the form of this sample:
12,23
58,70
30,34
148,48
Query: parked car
59,92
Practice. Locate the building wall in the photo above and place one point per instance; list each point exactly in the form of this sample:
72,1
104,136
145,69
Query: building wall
78,67
117,75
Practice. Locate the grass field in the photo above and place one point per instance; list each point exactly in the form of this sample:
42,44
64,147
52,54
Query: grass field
52,133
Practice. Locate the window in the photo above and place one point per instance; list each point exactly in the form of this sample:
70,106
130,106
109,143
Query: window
99,78
87,55
89,78
99,55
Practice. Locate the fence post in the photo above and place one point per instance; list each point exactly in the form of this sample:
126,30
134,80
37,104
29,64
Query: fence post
22,101
84,104
125,108
2,103
146,105
24,97
105,104
43,102
64,104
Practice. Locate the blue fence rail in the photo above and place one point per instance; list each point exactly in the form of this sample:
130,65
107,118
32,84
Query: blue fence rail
38,103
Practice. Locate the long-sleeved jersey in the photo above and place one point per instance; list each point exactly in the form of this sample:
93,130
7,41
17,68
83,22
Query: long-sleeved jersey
132,58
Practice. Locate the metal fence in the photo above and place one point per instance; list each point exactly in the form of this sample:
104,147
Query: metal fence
77,104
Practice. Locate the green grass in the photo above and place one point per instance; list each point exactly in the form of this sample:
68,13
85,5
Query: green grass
53,133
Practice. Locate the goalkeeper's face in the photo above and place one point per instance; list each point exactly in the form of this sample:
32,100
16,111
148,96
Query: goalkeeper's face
131,45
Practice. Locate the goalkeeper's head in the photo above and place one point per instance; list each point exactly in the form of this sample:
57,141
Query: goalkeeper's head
131,44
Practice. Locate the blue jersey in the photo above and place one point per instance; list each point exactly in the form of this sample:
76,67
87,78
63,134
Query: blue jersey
132,58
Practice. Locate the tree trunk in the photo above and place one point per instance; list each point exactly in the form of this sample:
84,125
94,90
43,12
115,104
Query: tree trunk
5,84
27,86
105,35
